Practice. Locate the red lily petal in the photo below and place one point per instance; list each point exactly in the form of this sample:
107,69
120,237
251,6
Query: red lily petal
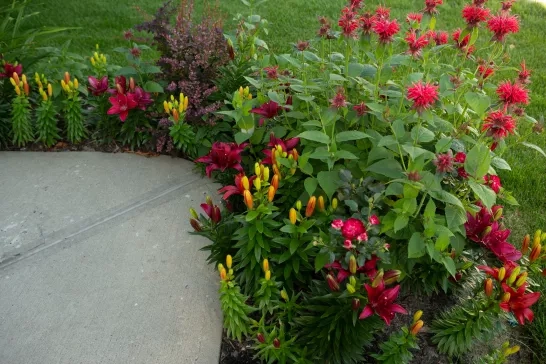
398,309
366,312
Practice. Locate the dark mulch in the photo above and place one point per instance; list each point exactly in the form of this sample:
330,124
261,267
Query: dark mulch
234,352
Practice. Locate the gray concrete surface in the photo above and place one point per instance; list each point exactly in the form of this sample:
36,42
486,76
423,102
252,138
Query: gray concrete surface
96,263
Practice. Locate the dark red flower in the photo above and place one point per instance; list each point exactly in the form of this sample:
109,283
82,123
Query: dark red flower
512,93
485,71
360,109
493,182
414,18
461,43
461,172
498,125
474,14
415,43
460,157
121,104
339,100
238,188
268,110
302,45
496,241
414,176
524,74
9,69
120,83
444,162
369,268
223,156
441,37
423,95
476,225
349,22
520,302
385,29
507,5
430,6
357,4
142,98
374,220
382,12
128,35
479,2
353,229
381,302
135,52
367,21
98,87
503,24
286,145
272,72
212,211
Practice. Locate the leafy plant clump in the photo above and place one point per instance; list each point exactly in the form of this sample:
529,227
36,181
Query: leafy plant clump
365,163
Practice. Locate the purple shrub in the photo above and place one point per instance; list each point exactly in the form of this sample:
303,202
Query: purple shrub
191,54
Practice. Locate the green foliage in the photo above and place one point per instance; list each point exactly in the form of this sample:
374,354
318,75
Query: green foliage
21,126
136,132
235,309
397,349
73,117
46,123
184,138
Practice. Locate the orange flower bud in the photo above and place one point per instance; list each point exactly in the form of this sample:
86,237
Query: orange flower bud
321,203
276,171
501,274
416,327
352,264
378,278
26,88
535,253
16,78
66,77
132,84
310,206
292,216
223,274
229,261
265,265
275,182
271,193
488,287
505,297
295,154
417,316
525,244
249,202
273,157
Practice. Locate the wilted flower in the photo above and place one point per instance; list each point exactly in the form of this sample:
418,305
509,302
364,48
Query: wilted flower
349,22
98,87
524,75
223,156
512,93
498,125
381,302
272,72
135,52
414,176
503,24
360,109
121,104
423,95
302,45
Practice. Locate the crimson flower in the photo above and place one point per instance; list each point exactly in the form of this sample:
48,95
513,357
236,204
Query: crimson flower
485,71
493,181
369,268
444,162
385,29
302,45
441,37
212,211
238,189
98,87
524,74
463,43
496,241
509,267
339,100
476,225
286,145
367,21
223,156
354,229
460,157
374,220
474,14
337,224
381,302
430,6
498,125
142,98
268,110
357,4
423,95
507,5
272,72
9,69
121,104
503,24
415,43
360,109
349,22
382,12
520,302
414,17
512,93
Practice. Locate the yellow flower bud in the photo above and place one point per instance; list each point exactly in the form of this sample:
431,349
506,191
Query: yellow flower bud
417,316
514,349
258,184
321,203
268,275
44,95
229,261
96,55
246,91
352,280
223,274
334,203
24,78
350,288
521,279
292,215
284,295
505,297
17,90
266,173
36,77
536,241
245,183
271,193
49,90
501,274
103,58
193,213
166,107
257,169
220,267
352,264
12,80
76,83
543,237
265,265
298,205
513,276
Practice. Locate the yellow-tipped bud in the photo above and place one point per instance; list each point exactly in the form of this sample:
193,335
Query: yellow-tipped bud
321,203
265,265
416,327
488,287
514,349
292,215
352,264
265,173
298,205
66,77
502,274
103,58
275,182
93,63
257,169
334,203
350,288
284,295
76,83
249,202
268,275
417,316
535,253
505,297
44,95
229,261
193,213
176,115
536,241
258,184
352,280
96,55
186,103
378,278
521,279
24,78
310,206
220,267
36,77
271,193
12,80
223,274
172,97
166,107
246,184
525,244
241,91
17,90
513,276
16,78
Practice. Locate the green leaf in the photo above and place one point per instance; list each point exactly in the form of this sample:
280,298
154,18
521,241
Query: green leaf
450,265
446,197
310,185
328,181
420,134
310,56
294,244
478,161
500,163
321,260
442,242
127,71
350,135
478,102
486,195
242,137
399,129
457,242
316,136
387,167
152,86
455,216
416,246
535,147
416,152
443,145
344,154
400,222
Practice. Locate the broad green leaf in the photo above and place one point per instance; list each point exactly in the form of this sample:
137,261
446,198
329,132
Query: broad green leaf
455,216
387,167
152,86
535,147
240,138
410,191
399,129
350,135
478,161
344,154
450,265
294,244
416,152
446,197
486,195
335,77
416,246
430,209
316,136
478,102
310,185
394,189
457,242
420,134
310,56
443,145
320,261
442,242
400,222
500,163
328,181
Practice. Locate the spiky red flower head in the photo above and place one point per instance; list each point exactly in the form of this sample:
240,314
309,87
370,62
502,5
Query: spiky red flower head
498,125
479,2
302,45
272,72
415,43
441,37
135,52
349,22
460,43
507,5
366,22
360,109
493,182
524,74
386,29
414,18
512,93
503,24
430,6
339,99
444,162
460,157
382,12
357,4
423,95
485,71
353,228
474,14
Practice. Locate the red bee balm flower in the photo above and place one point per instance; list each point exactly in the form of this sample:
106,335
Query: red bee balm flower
414,17
121,104
441,37
444,162
381,302
354,229
268,110
385,29
520,302
474,14
503,24
416,44
98,87
485,71
498,125
423,95
512,93
339,100
430,6
360,109
223,156
349,22
524,74
493,181
382,12
367,21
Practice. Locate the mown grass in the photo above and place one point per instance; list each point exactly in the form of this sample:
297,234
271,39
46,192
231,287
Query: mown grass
103,22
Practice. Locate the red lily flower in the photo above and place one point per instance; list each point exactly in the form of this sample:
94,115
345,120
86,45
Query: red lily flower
142,98
476,225
212,211
98,87
120,83
268,110
9,69
520,302
381,302
223,156
496,242
121,104
509,267
287,146
238,189
369,268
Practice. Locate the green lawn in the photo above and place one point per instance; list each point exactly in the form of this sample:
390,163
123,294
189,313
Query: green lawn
103,22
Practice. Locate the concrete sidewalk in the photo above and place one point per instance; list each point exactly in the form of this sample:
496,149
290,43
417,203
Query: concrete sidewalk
96,263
